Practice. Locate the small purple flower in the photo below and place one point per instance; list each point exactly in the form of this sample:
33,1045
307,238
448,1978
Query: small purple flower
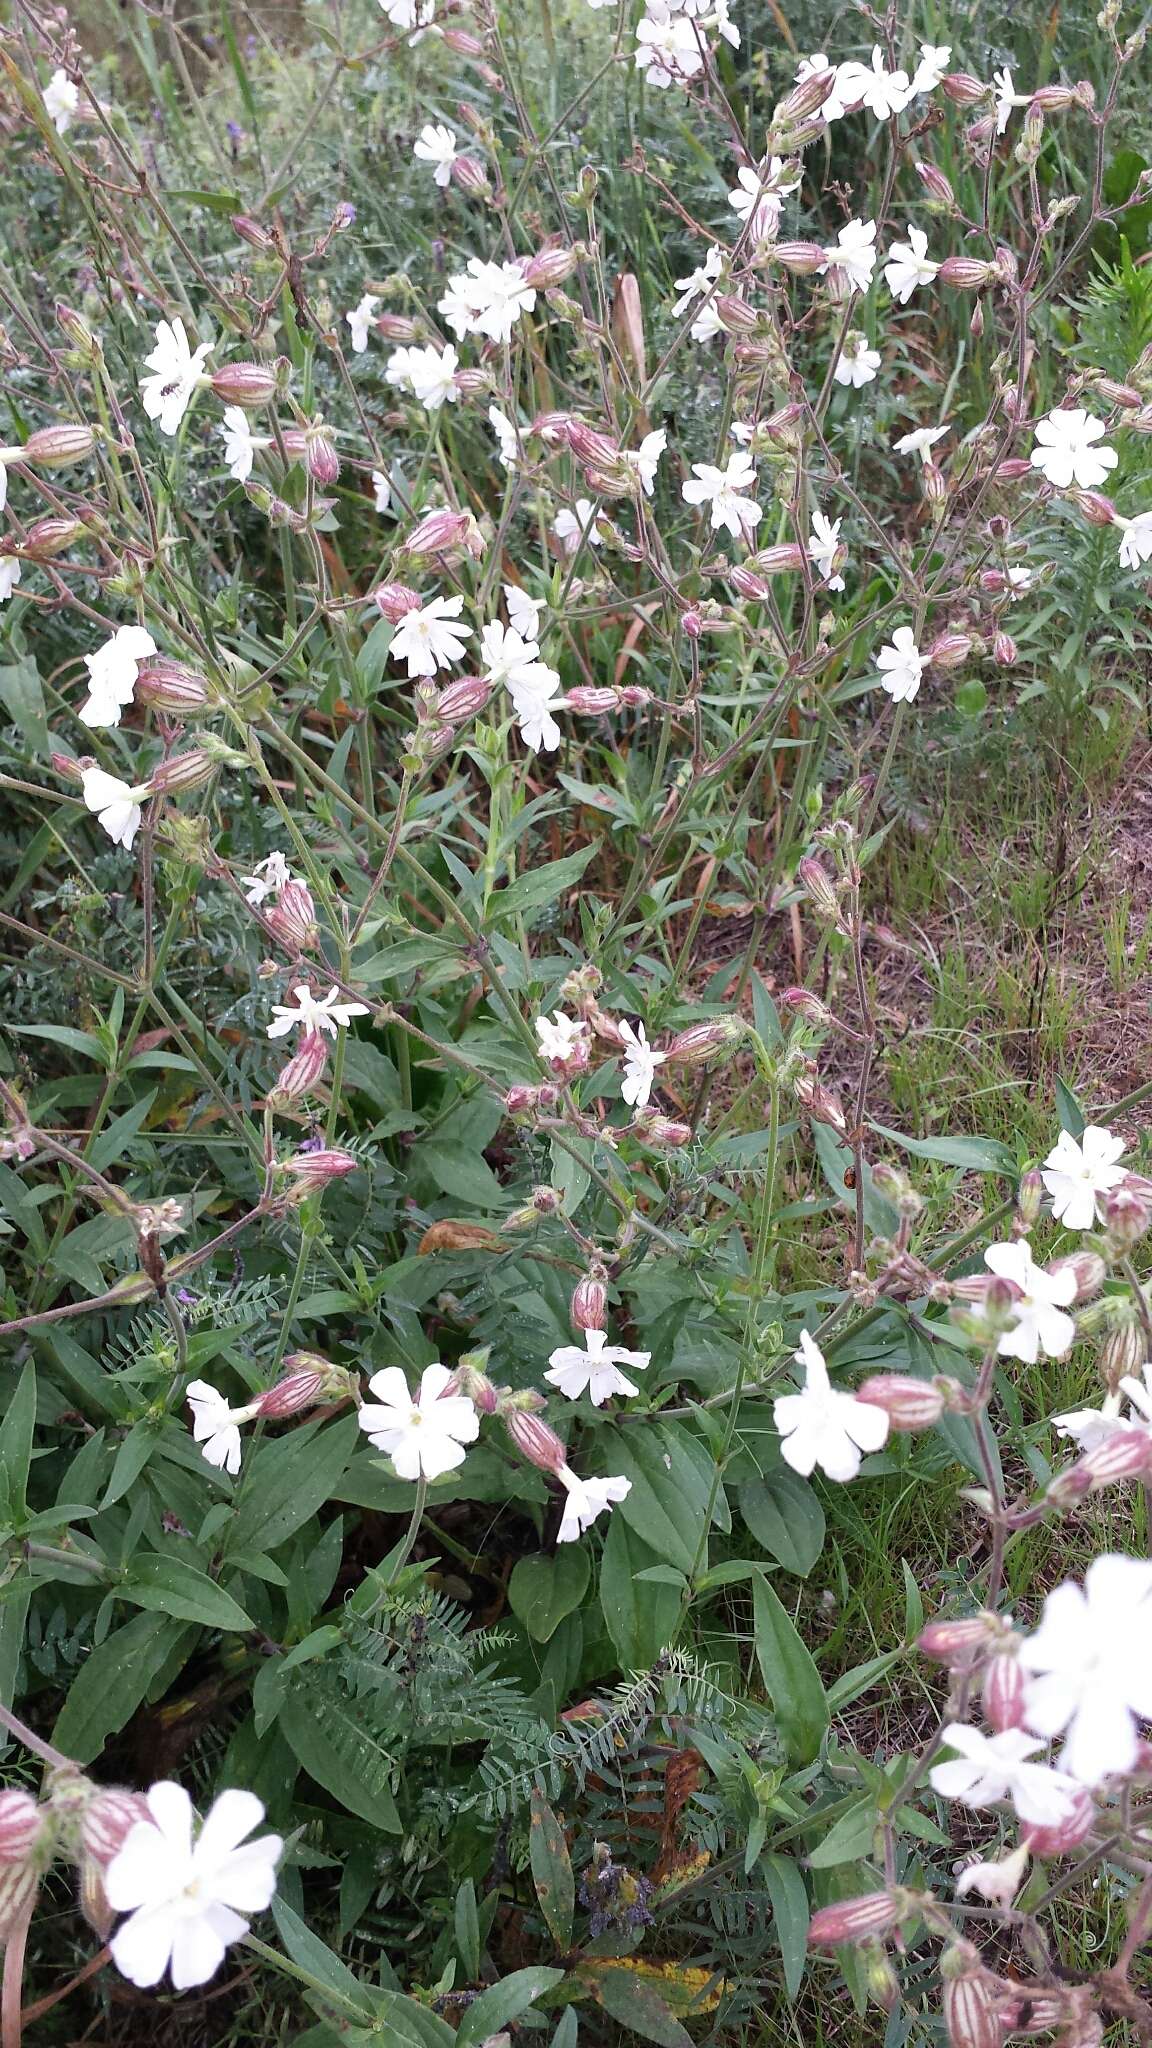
345,214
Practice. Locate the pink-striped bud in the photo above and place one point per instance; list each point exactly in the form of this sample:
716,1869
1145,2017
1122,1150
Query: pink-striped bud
312,1170
693,624
181,772
869,1917
1014,470
548,268
803,259
292,918
969,2006
464,45
907,1402
787,557
523,1098
748,583
963,89
396,327
290,1396
935,183
1053,99
806,98
735,315
967,273
71,767
1097,509
634,697
1005,652
471,176
395,600
321,459
1002,1691
47,538
663,1131
108,1819
19,1884
805,1004
701,1042
589,1304
1068,1834
950,650
463,699
439,532
170,686
993,582
592,701
959,1644
1089,1270
53,447
780,425
21,1820
1029,1199
1124,395
1126,1210
1069,1486
299,1075
822,893
588,444
249,385
1125,1454
823,1104
534,1440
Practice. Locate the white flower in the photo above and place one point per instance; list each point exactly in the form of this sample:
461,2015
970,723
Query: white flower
570,527
11,569
1019,581
668,47
507,440
1041,1325
699,281
487,298
314,1013
1006,98
410,14
523,611
998,1882
423,1434
112,673
1075,1174
853,254
593,1370
645,459
560,1035
187,1897
178,369
1135,540
430,638
883,92
835,106
1092,1660
216,1425
61,99
908,266
535,724
919,441
382,491
759,196
360,321
719,17
724,490
398,369
934,62
431,374
822,1426
640,1063
824,546
240,443
115,803
508,658
901,666
1065,451
989,1768
267,876
436,145
587,1498
1089,1427
856,364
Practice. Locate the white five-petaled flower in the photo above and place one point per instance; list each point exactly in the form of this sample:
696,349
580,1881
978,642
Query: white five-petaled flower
436,145
698,284
411,14
668,46
430,638
61,99
360,322
314,1013
856,364
267,877
573,526
1135,540
919,441
507,657
726,491
1091,1666
823,548
901,665
587,1498
823,1426
187,1894
883,92
1006,97
645,459
532,710
112,673
934,61
1065,450
507,439
11,569
640,1063
429,373
835,106
1075,1174
487,298
593,1370
1090,1427
240,443
381,491
177,373
759,195
523,611
998,1882
217,1426
424,1434
909,266
852,256
560,1035
1041,1325
988,1768
116,804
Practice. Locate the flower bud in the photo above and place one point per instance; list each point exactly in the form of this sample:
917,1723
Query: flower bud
823,1104
908,1403
806,1005
822,891
471,176
47,538
462,699
534,1440
777,561
182,771
19,1883
1002,1692
1029,1197
663,1131
1097,509
1053,99
634,697
395,601
735,315
700,1042
589,445
693,624
1066,1834
107,1820
967,273
1090,1271
1125,1454
1014,470
1005,652
960,1644
290,1396
464,44
593,701
320,457
803,259
77,331
589,1303
950,650
250,231
249,385
969,2006
962,89
1126,1210
548,268
171,687
53,447
935,183
1125,395
313,1170
868,1917
748,583
21,1820
1122,1352
299,1076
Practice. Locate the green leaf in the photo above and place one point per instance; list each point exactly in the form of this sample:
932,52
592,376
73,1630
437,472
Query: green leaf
790,1916
359,1789
1072,1118
466,1924
552,1872
668,1502
314,1956
849,1839
791,1677
641,1620
974,1155
22,696
172,1586
112,1682
503,2002
84,1042
460,1172
786,1518
972,698
539,888
16,1434
542,1590
634,2003
288,1481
